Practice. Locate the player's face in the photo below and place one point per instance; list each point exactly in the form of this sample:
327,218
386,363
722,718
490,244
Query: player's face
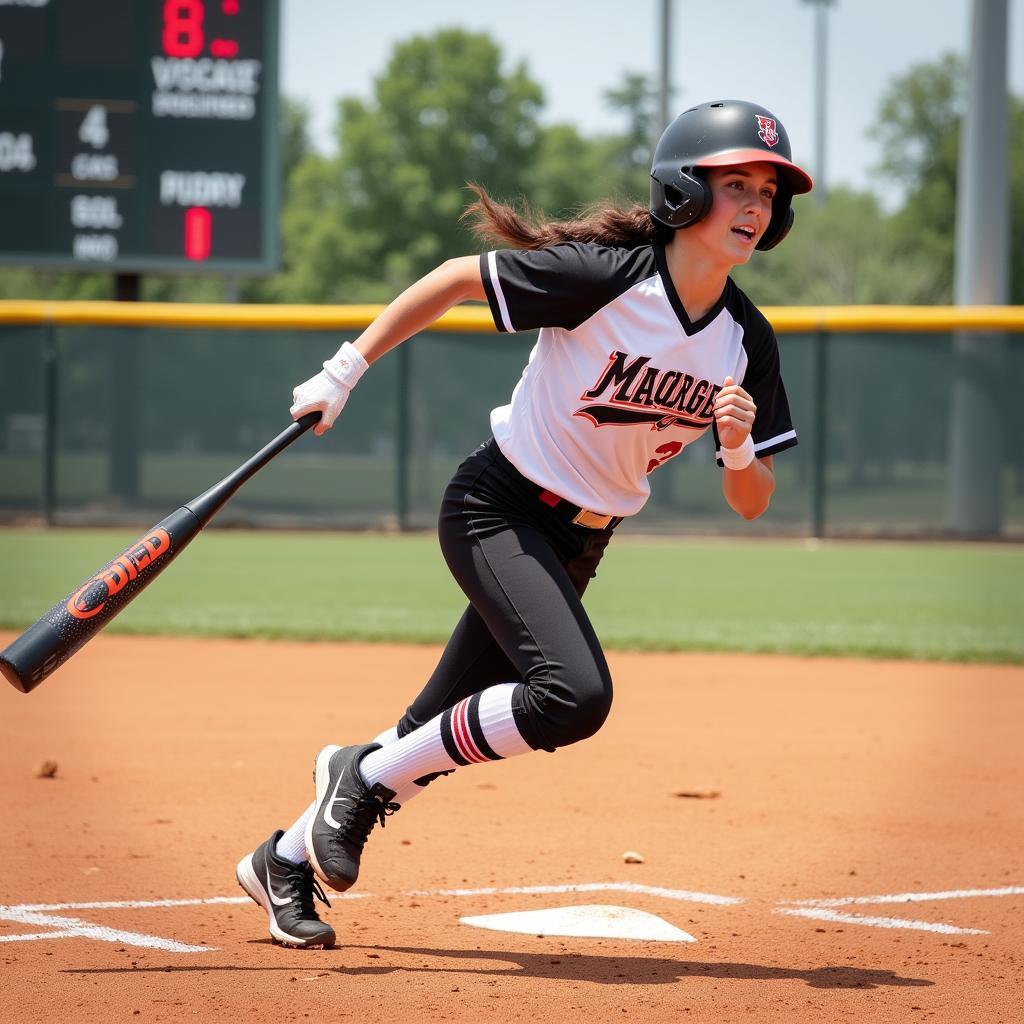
741,208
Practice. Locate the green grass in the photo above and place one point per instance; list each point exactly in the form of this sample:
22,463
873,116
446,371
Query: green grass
943,602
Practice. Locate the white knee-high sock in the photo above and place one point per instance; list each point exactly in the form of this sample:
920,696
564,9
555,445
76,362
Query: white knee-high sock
479,728
292,845
406,793
386,737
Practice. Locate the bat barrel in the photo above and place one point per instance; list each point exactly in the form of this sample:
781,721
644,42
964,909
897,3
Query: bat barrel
27,661
75,619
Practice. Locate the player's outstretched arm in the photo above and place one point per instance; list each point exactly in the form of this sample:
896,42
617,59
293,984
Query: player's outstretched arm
416,308
421,304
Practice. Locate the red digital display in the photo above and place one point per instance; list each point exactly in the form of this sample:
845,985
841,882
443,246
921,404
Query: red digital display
226,48
183,28
183,34
184,37
198,233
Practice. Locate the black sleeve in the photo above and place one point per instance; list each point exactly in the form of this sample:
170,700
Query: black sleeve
560,286
773,429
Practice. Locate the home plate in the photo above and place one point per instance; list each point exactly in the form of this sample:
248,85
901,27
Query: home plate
592,921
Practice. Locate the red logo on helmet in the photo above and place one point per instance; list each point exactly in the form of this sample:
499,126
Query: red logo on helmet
767,134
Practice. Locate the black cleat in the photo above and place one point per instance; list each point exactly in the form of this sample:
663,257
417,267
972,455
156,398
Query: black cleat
285,891
344,814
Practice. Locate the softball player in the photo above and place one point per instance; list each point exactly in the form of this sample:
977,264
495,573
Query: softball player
644,343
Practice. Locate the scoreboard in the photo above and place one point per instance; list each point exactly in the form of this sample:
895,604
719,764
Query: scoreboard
139,134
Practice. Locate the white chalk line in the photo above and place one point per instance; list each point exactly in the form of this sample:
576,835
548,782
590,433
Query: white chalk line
75,928
818,909
135,904
70,927
630,887
821,914
912,897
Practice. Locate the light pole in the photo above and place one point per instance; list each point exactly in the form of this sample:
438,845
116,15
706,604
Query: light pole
665,69
820,358
978,433
820,86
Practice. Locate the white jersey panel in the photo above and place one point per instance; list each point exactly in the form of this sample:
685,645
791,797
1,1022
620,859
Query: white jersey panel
621,386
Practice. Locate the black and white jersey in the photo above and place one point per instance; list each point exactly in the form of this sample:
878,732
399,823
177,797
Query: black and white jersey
621,380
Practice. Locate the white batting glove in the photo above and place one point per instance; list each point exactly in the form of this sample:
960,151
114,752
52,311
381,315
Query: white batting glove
328,391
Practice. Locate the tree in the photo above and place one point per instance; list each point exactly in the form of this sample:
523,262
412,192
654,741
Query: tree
845,253
293,128
629,153
444,112
568,172
919,130
573,171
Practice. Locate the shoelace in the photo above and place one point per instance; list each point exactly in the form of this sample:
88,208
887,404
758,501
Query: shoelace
305,886
360,818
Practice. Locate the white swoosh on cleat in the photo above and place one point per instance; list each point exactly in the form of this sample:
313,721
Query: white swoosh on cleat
327,816
274,898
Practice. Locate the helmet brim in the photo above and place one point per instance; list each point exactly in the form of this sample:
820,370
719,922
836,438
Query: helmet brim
799,181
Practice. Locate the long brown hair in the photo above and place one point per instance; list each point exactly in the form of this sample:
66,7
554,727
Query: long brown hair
604,222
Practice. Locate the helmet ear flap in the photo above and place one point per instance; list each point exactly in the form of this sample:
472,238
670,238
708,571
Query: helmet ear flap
680,202
702,195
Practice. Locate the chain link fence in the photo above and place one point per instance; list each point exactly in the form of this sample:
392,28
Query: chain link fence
117,423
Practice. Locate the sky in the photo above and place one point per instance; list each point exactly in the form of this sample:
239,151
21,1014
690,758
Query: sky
730,49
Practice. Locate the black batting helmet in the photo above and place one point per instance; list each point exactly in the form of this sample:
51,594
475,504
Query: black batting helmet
722,134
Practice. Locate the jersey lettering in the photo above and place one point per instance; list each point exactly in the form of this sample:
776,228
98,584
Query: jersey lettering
667,397
618,373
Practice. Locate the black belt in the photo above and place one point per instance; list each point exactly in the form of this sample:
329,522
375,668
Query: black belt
566,509
575,514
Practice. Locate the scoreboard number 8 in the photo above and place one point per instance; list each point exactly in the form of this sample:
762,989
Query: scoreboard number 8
183,28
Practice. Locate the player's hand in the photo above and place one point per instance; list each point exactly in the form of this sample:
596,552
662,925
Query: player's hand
328,391
734,414
319,394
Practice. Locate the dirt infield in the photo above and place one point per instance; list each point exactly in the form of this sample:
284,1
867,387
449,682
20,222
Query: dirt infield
852,847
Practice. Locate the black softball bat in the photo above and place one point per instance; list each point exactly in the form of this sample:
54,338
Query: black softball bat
75,619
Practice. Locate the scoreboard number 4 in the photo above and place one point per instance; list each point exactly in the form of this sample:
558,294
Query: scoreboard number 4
94,131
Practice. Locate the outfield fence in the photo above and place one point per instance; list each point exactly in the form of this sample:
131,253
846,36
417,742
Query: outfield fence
116,413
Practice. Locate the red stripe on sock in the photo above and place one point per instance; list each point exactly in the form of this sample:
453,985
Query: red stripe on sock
460,727
465,740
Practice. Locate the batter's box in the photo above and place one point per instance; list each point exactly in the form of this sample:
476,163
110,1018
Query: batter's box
827,909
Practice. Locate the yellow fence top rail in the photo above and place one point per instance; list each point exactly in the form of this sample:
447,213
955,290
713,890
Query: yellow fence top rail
476,318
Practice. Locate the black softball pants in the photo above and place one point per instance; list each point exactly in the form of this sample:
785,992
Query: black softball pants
524,567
